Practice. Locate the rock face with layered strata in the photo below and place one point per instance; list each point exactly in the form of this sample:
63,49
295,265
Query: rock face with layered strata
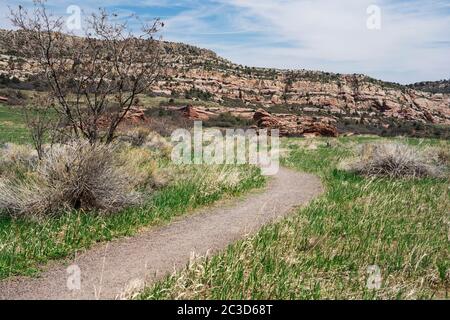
189,68
292,125
339,95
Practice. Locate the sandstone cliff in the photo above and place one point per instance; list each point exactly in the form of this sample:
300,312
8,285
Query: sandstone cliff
188,69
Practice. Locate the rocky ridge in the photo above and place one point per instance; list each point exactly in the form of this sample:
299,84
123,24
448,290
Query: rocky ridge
192,70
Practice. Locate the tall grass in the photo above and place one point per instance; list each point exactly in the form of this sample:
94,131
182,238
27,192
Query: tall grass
326,250
12,126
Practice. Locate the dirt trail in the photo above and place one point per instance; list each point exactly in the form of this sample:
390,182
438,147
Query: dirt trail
120,267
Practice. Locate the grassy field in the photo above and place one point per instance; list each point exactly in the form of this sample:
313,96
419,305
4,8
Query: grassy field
365,238
12,127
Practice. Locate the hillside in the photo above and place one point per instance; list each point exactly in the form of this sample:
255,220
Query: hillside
335,94
202,74
442,86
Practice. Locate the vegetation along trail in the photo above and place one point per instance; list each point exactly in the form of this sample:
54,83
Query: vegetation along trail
121,268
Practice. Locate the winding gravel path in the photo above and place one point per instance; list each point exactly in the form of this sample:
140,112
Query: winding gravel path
121,267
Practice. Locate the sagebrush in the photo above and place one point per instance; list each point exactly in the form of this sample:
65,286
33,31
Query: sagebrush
396,160
77,175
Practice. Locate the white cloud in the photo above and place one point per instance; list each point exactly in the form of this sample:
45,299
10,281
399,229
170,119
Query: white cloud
412,45
332,36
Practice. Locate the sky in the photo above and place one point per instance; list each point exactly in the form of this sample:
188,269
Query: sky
402,41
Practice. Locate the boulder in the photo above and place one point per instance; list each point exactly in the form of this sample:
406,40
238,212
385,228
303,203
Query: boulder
192,113
321,129
135,115
265,120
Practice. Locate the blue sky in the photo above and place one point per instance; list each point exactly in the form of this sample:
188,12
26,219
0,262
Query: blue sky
413,43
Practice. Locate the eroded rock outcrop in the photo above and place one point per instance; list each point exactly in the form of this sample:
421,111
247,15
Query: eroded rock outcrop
292,125
136,115
192,113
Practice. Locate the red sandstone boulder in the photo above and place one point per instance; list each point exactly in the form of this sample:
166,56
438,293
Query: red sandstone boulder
321,129
135,115
192,113
265,120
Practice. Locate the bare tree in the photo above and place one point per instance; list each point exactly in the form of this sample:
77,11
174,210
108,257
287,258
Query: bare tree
39,121
95,79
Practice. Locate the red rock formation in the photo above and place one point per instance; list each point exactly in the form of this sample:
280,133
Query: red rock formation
224,81
321,129
136,115
193,113
291,125
265,120
184,69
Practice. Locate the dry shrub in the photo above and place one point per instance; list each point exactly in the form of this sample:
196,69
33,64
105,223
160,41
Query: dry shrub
16,160
146,138
158,144
136,137
73,176
394,160
140,164
438,155
15,153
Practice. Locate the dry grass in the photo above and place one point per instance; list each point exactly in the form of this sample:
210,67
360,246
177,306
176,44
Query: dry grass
14,153
396,160
72,176
16,159
149,139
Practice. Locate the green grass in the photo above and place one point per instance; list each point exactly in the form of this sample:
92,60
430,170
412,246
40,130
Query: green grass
12,127
324,250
